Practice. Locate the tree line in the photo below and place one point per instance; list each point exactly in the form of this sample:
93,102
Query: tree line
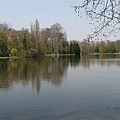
105,46
35,41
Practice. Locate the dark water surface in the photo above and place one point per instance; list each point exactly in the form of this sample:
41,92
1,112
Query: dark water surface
86,88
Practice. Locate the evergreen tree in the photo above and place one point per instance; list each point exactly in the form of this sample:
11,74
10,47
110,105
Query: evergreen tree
74,48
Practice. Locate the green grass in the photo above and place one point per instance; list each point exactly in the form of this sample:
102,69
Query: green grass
47,55
57,55
13,57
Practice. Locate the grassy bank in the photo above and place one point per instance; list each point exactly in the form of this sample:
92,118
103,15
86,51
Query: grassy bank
47,55
57,55
104,53
14,57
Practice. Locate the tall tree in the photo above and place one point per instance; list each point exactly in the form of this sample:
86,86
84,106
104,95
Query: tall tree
45,40
35,36
59,35
37,33
74,48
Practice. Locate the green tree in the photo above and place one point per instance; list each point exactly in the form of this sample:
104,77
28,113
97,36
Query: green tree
65,47
3,44
117,46
103,47
24,39
45,40
96,47
74,48
111,46
85,46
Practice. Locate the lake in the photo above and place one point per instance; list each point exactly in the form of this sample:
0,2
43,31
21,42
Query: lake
64,88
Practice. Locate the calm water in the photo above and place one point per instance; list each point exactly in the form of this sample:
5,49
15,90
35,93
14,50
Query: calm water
86,88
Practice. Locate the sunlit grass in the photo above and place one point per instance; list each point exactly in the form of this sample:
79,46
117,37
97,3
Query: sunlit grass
57,55
13,57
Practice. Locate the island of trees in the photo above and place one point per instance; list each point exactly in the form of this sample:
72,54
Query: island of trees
35,42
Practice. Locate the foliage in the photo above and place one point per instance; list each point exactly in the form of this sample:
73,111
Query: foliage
117,46
53,39
84,45
106,46
103,48
29,53
33,42
74,48
14,52
3,44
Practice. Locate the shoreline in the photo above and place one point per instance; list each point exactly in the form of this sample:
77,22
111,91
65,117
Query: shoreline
47,55
104,53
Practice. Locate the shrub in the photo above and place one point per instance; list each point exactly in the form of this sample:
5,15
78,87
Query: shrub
14,52
29,53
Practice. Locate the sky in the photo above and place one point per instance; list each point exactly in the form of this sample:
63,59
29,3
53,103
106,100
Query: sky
21,13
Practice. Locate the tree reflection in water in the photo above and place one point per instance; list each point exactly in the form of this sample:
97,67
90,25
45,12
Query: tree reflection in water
88,61
54,70
33,71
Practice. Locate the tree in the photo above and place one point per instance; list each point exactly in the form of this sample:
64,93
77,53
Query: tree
5,32
58,37
3,44
45,40
96,47
117,46
6,28
103,48
103,14
35,33
65,48
74,48
84,45
25,39
111,46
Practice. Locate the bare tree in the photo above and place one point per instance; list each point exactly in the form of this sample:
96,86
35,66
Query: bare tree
103,14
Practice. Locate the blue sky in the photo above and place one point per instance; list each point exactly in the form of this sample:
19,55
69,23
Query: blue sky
21,13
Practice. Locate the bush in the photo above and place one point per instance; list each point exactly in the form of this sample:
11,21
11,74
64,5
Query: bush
14,52
29,53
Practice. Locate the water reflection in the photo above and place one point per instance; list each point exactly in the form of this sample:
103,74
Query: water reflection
70,88
102,60
50,69
27,71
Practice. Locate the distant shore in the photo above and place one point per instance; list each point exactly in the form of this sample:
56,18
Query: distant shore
104,53
47,55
